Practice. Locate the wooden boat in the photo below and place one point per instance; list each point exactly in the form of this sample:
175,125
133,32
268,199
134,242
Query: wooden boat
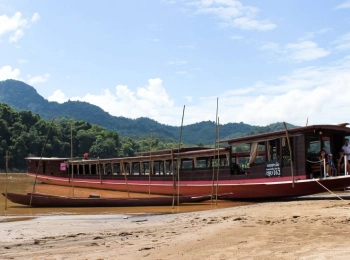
259,166
41,200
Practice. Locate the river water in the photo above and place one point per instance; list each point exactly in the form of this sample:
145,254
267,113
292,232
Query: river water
21,183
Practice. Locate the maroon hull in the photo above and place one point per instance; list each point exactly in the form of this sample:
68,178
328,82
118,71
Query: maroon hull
57,201
244,189
286,189
264,166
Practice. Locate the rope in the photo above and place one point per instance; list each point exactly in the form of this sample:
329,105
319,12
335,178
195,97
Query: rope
323,185
314,161
330,191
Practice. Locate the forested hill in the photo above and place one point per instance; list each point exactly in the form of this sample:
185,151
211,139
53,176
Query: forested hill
21,96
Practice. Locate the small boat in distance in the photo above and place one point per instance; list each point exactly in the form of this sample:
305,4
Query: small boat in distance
51,201
261,166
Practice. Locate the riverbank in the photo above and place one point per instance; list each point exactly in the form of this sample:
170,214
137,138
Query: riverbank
275,230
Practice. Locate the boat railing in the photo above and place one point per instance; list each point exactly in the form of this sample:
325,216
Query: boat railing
316,167
345,164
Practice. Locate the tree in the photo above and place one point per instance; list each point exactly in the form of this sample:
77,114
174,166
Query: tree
129,147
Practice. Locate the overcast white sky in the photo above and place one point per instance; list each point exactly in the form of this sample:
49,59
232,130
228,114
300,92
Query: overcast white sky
267,61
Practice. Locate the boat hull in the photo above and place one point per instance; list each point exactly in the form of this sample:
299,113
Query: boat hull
243,189
58,201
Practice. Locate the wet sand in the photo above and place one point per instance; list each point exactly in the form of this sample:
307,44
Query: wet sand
274,230
305,229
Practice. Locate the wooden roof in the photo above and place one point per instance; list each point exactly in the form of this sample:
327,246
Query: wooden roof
175,150
46,158
161,156
338,129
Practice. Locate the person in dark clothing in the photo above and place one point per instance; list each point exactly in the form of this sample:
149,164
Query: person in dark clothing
324,162
340,159
332,165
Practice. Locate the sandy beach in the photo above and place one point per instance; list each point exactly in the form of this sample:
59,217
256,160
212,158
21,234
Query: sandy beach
317,229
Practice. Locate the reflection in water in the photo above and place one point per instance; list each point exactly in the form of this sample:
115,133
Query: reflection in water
21,183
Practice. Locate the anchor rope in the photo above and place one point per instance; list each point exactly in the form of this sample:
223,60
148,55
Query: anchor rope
330,191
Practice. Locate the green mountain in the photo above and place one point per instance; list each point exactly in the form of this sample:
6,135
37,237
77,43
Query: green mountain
22,96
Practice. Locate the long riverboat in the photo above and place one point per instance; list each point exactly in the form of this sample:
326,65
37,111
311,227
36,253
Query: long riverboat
45,201
270,165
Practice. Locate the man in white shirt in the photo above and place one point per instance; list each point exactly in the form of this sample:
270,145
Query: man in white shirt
346,148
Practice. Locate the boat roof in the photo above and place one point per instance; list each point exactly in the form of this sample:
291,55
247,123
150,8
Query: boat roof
175,150
338,129
46,158
163,155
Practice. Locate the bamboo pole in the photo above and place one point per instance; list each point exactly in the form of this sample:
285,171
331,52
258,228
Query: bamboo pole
150,166
290,153
71,157
215,143
126,179
7,154
178,159
173,172
41,158
218,169
72,178
99,170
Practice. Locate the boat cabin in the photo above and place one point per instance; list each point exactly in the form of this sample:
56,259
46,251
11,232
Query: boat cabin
294,152
274,155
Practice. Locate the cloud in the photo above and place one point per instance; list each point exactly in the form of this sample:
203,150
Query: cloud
247,23
22,61
15,25
344,5
188,98
270,46
189,73
324,30
296,52
38,79
342,43
149,101
305,51
6,72
182,69
177,62
155,93
236,37
170,1
18,34
233,13
35,18
311,35
317,93
58,96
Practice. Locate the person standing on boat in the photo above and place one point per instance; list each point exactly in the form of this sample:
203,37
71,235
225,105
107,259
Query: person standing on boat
346,149
341,161
333,169
324,160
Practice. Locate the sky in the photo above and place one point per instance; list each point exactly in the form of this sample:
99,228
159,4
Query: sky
258,62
